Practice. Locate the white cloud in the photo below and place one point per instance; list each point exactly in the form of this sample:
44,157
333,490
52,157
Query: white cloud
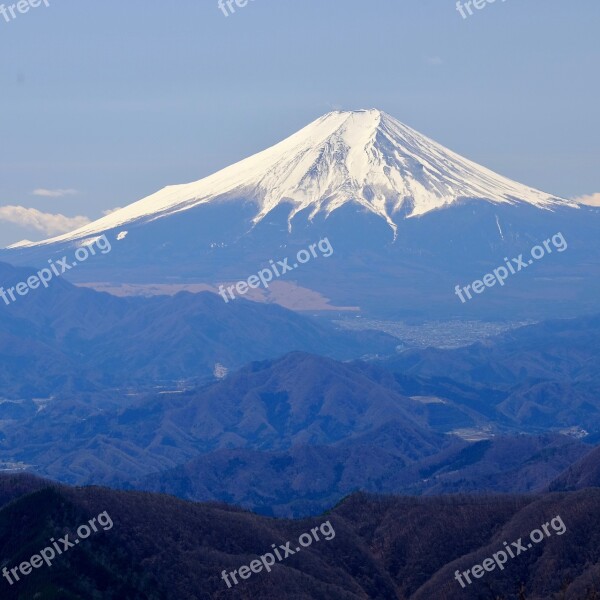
434,61
591,200
53,193
47,223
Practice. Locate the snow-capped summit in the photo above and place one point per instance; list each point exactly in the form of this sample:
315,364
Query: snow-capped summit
408,218
365,157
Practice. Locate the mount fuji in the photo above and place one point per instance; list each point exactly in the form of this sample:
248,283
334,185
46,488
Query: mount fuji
408,219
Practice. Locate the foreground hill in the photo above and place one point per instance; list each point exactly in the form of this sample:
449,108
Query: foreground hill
383,548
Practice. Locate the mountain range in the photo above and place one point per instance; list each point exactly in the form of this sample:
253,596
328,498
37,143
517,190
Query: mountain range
132,410
66,337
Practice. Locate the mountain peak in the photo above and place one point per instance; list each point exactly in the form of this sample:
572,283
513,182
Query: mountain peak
365,157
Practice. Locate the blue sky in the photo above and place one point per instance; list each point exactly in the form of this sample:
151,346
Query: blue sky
102,103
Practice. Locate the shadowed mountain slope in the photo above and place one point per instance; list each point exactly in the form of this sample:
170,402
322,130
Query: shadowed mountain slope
384,548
